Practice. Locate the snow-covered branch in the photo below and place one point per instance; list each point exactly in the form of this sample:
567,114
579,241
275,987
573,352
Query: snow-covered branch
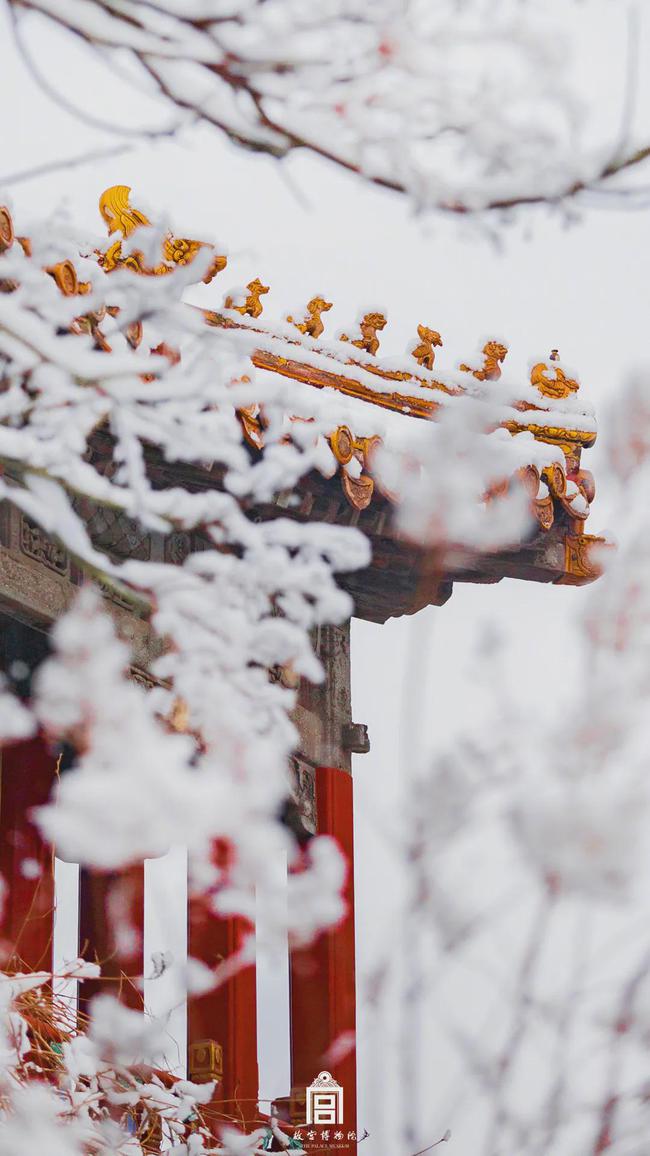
463,107
90,422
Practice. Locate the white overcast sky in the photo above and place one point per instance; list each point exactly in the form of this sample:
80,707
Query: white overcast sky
306,228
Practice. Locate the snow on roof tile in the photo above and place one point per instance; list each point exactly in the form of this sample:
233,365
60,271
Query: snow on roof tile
384,399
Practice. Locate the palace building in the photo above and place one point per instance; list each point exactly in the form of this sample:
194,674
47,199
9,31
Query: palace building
542,430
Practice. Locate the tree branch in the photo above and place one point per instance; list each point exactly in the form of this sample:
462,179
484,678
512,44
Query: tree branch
263,131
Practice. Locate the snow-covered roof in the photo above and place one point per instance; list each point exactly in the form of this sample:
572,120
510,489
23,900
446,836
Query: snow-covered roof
359,401
546,406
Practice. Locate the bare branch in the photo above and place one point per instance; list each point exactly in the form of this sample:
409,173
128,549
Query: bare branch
65,163
442,1140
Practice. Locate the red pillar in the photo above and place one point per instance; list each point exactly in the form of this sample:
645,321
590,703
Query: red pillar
26,862
323,999
111,932
222,1023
